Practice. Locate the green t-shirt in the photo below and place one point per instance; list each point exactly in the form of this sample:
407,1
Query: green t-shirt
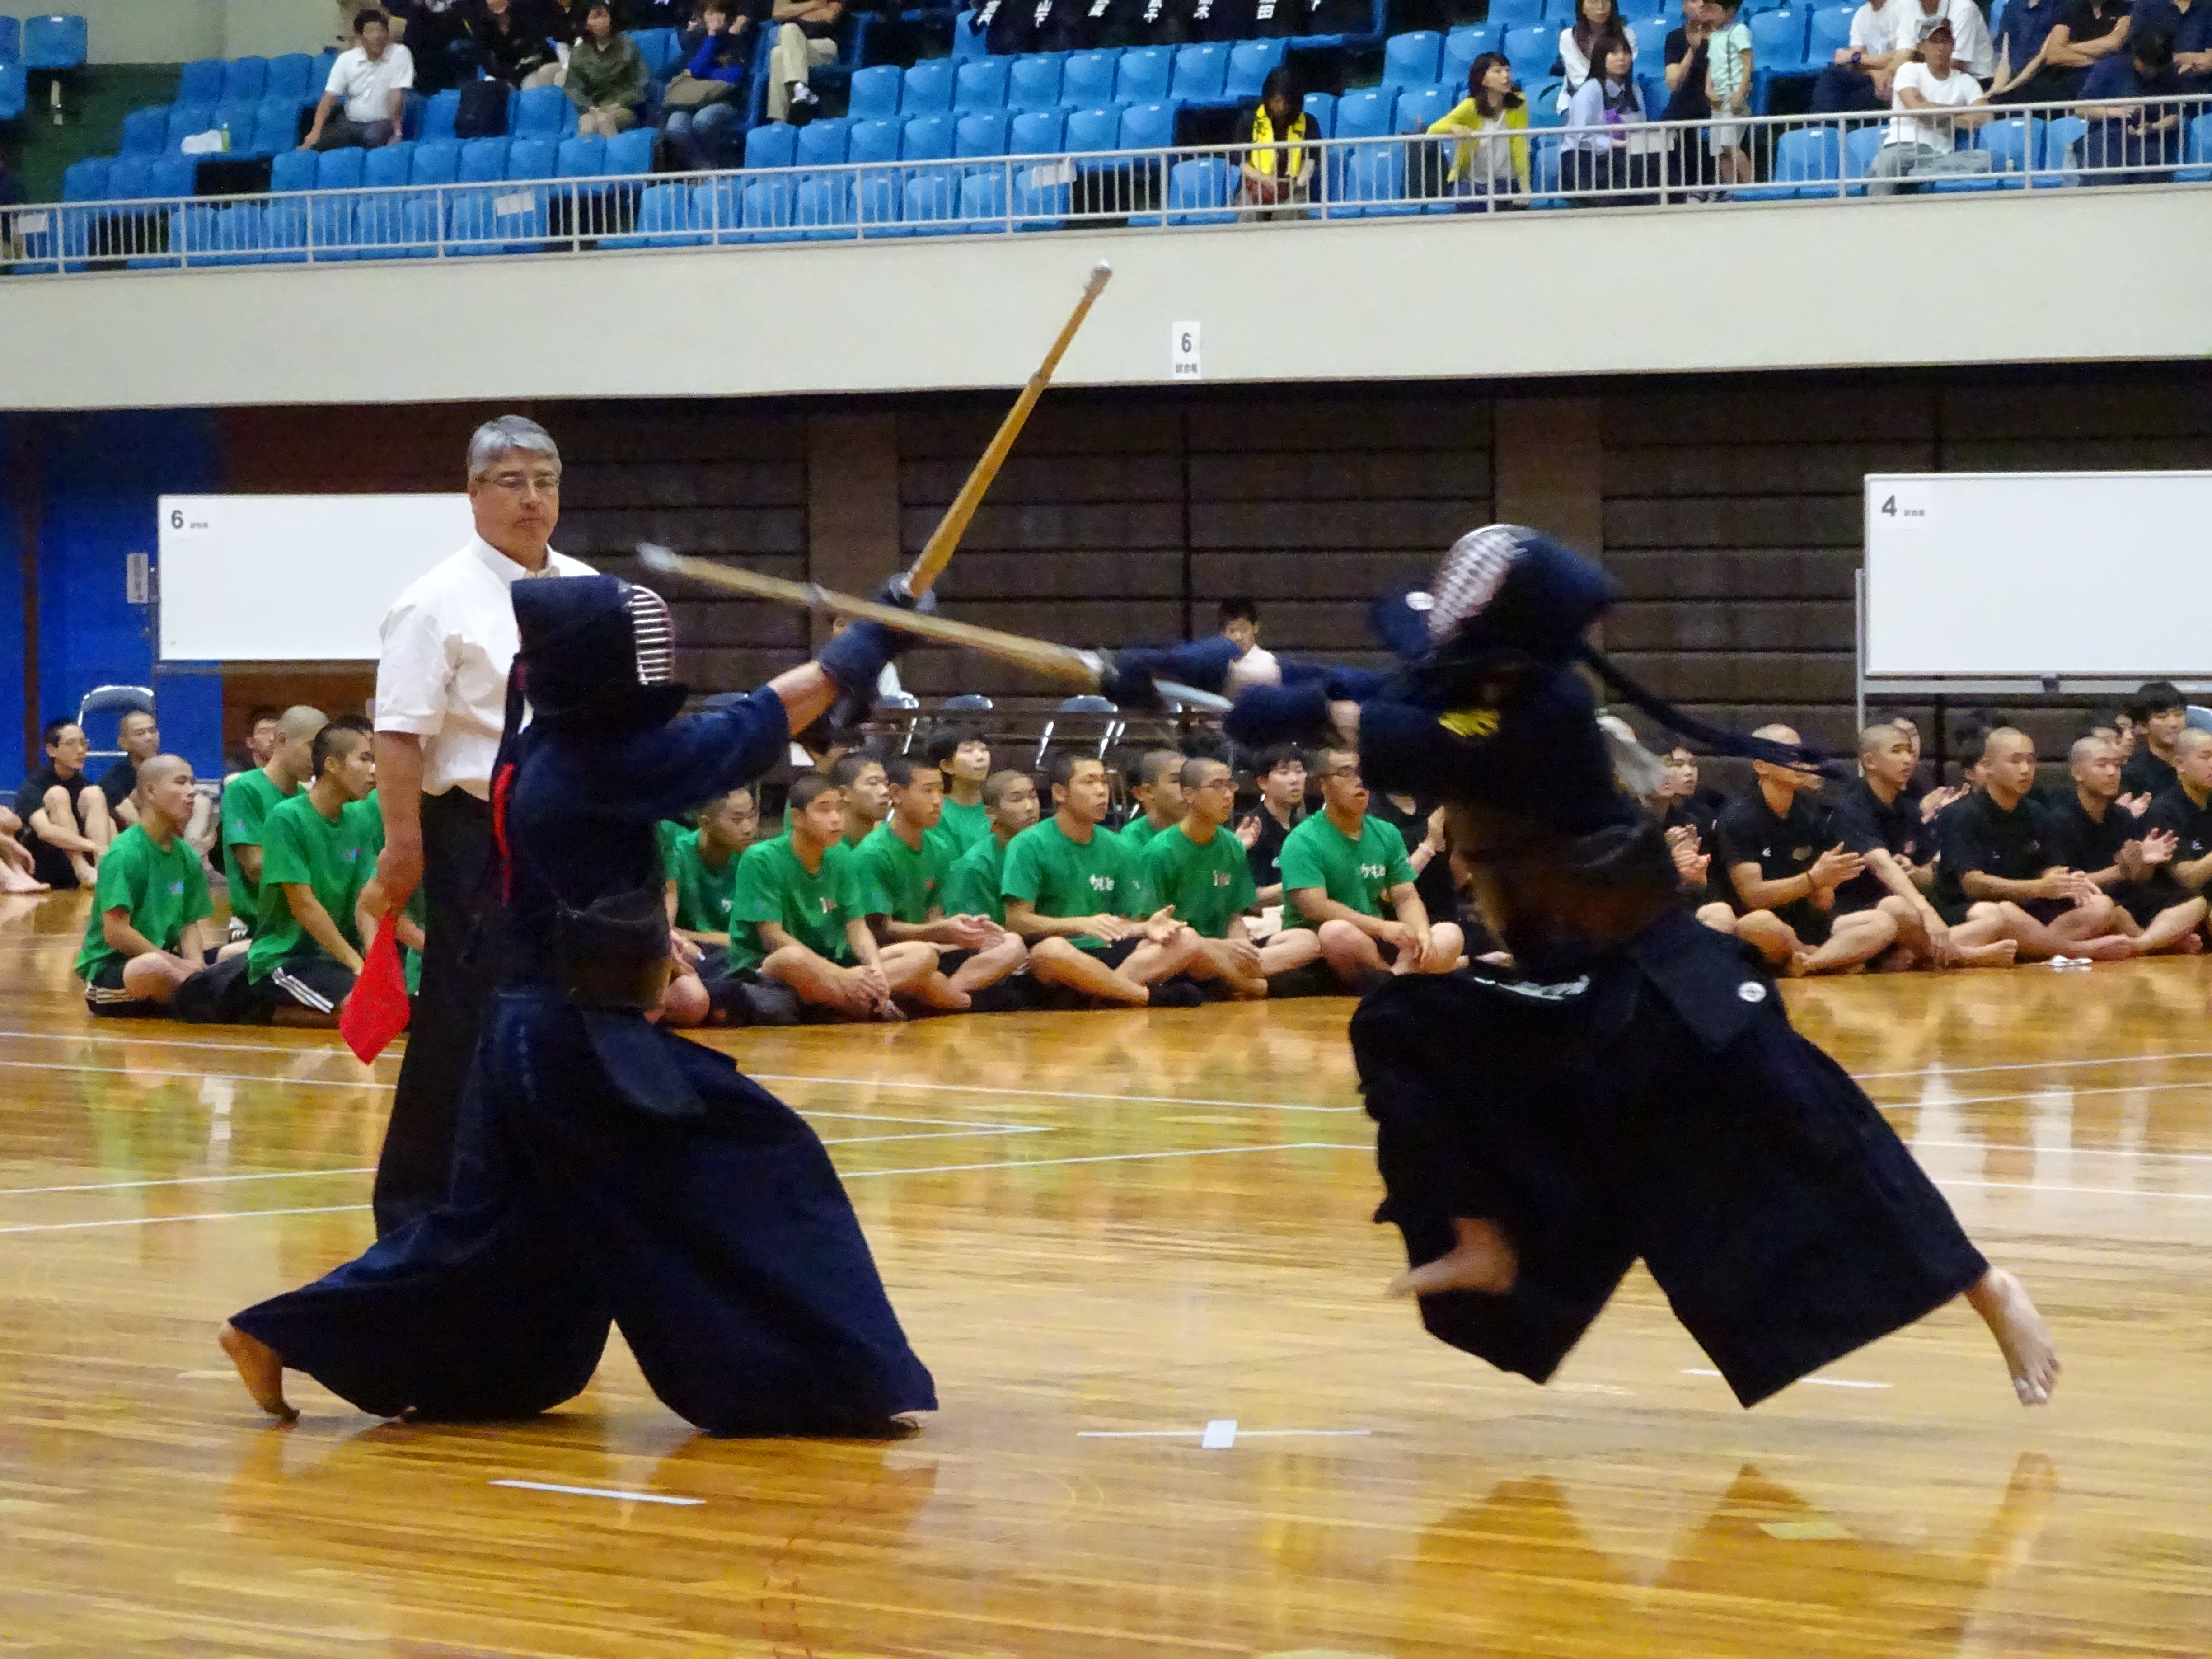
164,892
773,885
971,885
1354,874
247,801
889,878
1208,885
962,827
704,895
1056,877
419,904
335,857
1138,834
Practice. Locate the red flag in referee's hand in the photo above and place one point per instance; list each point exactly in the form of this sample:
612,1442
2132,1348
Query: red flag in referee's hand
376,1012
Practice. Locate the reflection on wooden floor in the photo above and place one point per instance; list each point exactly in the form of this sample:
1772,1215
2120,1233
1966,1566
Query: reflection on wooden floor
1107,1233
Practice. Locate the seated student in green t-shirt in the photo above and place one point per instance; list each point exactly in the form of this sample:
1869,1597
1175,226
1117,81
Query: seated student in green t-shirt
1157,790
898,887
867,793
1072,894
963,759
247,801
702,867
790,922
971,885
1340,868
1198,868
149,930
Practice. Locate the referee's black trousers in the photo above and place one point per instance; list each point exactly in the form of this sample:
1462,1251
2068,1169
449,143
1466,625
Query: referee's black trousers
459,973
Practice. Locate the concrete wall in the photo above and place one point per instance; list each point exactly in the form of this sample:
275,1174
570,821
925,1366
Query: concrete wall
1939,279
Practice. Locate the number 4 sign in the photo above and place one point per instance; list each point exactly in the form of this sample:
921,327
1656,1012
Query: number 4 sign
1182,352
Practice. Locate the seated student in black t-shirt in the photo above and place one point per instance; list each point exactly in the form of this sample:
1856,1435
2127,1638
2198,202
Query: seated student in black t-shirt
1880,822
2094,833
1998,860
65,821
2160,717
2184,812
1690,820
1281,774
1784,867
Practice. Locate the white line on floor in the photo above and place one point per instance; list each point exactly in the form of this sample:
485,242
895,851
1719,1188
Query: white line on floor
2042,1187
154,1220
1044,1094
194,1077
602,1491
948,1134
1112,1158
2055,1152
185,1181
1223,1432
1934,1067
1810,1382
329,1052
2067,1089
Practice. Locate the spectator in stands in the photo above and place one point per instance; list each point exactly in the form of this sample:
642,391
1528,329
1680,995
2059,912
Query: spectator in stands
1490,162
509,44
1727,89
1608,147
704,124
1157,792
790,925
2021,35
1237,621
65,823
2160,716
1784,866
247,801
1595,20
1281,773
2093,833
140,740
148,930
963,760
861,784
972,884
1921,140
261,739
2184,812
1277,172
1916,20
606,80
1197,868
897,886
1858,77
370,83
1999,861
1340,868
435,35
1687,50
1071,891
2124,135
2088,31
2188,25
806,34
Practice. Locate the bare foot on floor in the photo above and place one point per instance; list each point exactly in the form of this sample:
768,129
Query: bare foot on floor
2002,1302
1481,1261
2112,947
260,1369
1999,955
2189,944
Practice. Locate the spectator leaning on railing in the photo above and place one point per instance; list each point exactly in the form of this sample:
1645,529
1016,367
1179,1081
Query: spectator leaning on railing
1490,160
2188,25
606,79
1595,19
2020,35
2133,135
1728,88
1920,140
1609,145
371,82
1277,170
2086,32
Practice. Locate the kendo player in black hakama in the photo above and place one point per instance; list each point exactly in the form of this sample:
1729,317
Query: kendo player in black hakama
1632,1088
607,1170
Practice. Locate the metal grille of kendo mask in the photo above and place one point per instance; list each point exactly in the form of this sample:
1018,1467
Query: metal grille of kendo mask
653,632
1469,576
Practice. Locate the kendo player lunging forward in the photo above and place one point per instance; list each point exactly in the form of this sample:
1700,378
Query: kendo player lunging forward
607,1169
1633,1089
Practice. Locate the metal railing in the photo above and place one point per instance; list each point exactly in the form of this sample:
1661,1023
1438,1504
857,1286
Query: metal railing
1747,159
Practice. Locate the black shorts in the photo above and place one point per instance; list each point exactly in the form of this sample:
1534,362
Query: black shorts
2143,901
1316,979
740,996
1809,922
104,994
228,995
1119,951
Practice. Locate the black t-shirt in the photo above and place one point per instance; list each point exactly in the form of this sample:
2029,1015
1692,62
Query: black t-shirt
2145,774
1749,832
53,866
1265,856
1699,813
2082,842
2190,824
117,783
1434,883
2085,22
1862,823
1977,833
1688,101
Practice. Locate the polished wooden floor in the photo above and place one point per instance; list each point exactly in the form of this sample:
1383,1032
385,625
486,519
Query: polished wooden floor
1106,1233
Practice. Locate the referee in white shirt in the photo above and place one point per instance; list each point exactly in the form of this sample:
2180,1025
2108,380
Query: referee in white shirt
440,705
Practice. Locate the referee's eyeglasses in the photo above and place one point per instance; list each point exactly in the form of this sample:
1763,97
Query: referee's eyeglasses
519,481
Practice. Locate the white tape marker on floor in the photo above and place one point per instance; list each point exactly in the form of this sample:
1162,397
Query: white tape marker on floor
602,1491
1810,1382
1220,1435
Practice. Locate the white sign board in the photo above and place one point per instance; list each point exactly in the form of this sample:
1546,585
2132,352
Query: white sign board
293,578
2023,575
1182,352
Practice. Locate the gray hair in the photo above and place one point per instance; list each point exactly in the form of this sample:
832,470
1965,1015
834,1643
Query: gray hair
496,440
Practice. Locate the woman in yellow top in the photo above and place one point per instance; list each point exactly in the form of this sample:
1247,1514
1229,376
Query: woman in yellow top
1491,160
1277,170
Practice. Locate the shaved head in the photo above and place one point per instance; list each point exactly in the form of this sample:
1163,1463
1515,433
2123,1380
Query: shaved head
300,723
2084,748
2190,740
1776,733
2002,738
161,767
1874,739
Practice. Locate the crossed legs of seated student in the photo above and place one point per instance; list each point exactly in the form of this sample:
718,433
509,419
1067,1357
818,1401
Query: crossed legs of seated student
2176,929
1126,971
1358,955
1975,943
979,967
2043,928
864,990
1246,967
1851,942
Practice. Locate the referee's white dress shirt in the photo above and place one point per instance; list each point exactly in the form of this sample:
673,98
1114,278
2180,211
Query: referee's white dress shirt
447,643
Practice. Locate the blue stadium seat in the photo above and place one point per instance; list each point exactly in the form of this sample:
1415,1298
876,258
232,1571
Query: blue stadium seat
1777,47
1201,74
873,142
433,119
1830,32
244,81
1411,60
983,133
1142,74
1462,48
983,201
1036,132
980,85
875,93
2015,146
630,155
380,220
580,157
1033,84
1803,158
931,206
1087,79
874,146
1530,50
291,77
185,120
2062,149
145,131
11,38
1366,113
524,214
1544,109
770,146
822,143
1418,106
1090,131
1372,182
927,138
240,121
276,126
469,213
1198,191
422,210
55,43
1560,14
928,88
1320,108
822,208
661,48
1148,126
14,91
968,41
1859,145
542,112
2198,153
667,216
200,81
1515,13
85,180
1248,63
1651,48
